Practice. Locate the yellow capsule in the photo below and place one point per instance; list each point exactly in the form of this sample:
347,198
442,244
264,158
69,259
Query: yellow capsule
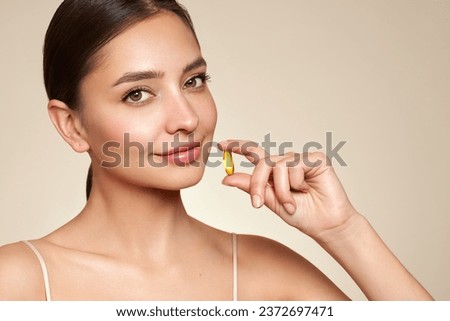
228,162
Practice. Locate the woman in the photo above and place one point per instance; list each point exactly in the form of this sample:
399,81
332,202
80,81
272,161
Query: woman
127,83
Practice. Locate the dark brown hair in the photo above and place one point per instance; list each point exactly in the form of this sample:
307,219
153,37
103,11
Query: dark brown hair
78,30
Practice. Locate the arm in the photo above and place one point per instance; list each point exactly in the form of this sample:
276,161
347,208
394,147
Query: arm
20,274
305,192
374,268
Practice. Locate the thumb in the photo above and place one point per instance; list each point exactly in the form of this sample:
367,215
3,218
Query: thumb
239,180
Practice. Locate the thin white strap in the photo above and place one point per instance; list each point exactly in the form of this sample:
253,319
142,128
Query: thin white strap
43,267
235,268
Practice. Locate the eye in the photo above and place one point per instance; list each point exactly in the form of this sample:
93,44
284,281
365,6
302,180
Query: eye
137,96
197,81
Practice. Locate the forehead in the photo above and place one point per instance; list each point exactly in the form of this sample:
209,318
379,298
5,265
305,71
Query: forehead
162,42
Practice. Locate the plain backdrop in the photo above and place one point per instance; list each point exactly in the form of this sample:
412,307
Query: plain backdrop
374,73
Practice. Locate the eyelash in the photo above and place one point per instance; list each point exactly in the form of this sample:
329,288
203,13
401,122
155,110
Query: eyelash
203,76
135,89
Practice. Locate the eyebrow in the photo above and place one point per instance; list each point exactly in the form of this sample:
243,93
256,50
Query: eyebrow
150,74
138,75
199,62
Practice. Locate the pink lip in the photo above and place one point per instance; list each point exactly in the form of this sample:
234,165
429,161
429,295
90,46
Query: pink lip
183,154
180,148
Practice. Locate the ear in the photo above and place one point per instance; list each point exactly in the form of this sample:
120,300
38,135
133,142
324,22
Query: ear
67,122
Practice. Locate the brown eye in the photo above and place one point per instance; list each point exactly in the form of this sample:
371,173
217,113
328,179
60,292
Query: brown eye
137,96
193,83
196,82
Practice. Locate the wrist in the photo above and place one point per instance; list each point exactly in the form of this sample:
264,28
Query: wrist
357,247
355,226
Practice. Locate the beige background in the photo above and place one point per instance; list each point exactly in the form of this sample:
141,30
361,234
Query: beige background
375,73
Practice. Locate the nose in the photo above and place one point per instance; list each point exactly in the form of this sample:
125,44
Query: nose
181,115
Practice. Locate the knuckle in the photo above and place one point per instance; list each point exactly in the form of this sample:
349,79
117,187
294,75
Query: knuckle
257,185
288,154
280,165
283,195
294,160
315,159
296,184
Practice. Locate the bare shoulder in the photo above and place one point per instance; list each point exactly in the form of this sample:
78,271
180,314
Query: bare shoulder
20,274
269,270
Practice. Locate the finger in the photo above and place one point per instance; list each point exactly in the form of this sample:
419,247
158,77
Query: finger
297,173
247,148
282,186
243,181
297,179
273,203
239,180
255,184
314,163
306,165
259,181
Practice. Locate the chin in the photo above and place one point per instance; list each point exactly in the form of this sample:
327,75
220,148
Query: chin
178,178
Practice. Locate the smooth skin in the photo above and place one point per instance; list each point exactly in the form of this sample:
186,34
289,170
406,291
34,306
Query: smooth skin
134,239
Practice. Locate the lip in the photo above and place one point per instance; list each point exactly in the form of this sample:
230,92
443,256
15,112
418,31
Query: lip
183,154
181,148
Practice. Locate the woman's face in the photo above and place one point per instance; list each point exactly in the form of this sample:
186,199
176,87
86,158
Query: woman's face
147,112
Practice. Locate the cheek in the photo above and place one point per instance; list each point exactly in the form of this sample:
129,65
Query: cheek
122,131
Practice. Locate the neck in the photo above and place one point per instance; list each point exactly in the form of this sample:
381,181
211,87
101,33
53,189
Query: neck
135,220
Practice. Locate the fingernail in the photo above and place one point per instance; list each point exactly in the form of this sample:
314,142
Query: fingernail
256,201
289,208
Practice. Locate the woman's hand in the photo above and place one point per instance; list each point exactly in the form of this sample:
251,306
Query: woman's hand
302,189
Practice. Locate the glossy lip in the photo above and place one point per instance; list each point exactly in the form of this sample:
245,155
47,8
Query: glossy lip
183,154
181,148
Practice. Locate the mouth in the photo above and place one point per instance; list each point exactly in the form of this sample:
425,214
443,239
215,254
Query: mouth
182,153
180,148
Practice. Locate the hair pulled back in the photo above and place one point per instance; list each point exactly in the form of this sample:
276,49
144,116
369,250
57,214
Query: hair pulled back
79,29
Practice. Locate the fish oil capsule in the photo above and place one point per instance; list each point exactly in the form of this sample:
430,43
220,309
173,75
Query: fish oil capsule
228,162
